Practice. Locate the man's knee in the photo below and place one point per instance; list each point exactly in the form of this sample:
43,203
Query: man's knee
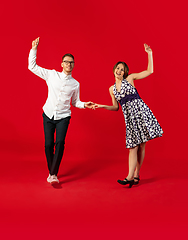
60,143
49,145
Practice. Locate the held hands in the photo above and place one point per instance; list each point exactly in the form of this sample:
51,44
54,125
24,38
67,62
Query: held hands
98,105
35,43
147,48
92,105
89,105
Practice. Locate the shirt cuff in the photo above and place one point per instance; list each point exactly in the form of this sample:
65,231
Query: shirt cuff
33,50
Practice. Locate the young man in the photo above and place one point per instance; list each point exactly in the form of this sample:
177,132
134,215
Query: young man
62,87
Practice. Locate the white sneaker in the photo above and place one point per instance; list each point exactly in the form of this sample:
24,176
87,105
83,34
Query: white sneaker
49,178
54,179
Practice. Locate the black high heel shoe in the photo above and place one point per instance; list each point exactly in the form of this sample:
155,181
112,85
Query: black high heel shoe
137,180
125,182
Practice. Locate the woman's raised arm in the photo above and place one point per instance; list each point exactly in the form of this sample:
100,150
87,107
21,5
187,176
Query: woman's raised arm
146,73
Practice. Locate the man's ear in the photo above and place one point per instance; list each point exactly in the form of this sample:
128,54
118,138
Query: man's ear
62,64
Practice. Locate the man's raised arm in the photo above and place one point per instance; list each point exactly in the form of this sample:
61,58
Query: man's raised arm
33,67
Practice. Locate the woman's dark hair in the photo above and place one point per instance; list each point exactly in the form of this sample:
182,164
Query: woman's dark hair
68,55
126,68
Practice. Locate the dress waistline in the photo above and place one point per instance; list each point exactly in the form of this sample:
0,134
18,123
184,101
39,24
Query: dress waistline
129,97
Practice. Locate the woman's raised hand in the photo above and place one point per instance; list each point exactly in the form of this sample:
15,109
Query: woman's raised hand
35,43
147,48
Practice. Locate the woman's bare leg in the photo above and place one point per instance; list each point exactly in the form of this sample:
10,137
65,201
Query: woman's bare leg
133,156
140,159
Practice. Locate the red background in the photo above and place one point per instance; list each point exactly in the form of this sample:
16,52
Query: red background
98,34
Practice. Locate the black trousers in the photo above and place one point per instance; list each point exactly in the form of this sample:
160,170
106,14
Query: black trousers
50,127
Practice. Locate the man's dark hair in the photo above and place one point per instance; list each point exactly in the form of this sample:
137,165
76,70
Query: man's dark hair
68,55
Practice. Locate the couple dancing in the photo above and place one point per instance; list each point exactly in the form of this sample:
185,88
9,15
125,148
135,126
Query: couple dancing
141,124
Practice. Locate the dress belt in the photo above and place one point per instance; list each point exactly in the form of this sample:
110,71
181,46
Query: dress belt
129,97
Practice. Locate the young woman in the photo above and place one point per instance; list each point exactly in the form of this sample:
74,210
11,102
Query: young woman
141,124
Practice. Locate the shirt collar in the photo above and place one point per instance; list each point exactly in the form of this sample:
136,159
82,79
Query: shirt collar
67,77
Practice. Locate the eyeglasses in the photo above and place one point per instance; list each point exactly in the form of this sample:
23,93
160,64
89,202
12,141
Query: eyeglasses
67,62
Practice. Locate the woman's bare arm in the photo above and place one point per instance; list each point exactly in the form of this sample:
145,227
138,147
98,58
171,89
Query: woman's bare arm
115,105
146,73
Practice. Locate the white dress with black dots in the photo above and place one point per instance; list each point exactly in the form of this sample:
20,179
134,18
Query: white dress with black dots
141,124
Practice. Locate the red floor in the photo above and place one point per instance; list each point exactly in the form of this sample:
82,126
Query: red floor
89,203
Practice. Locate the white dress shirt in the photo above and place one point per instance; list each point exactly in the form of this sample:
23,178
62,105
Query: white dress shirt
61,88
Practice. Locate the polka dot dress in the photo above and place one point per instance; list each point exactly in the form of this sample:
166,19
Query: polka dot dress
141,124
